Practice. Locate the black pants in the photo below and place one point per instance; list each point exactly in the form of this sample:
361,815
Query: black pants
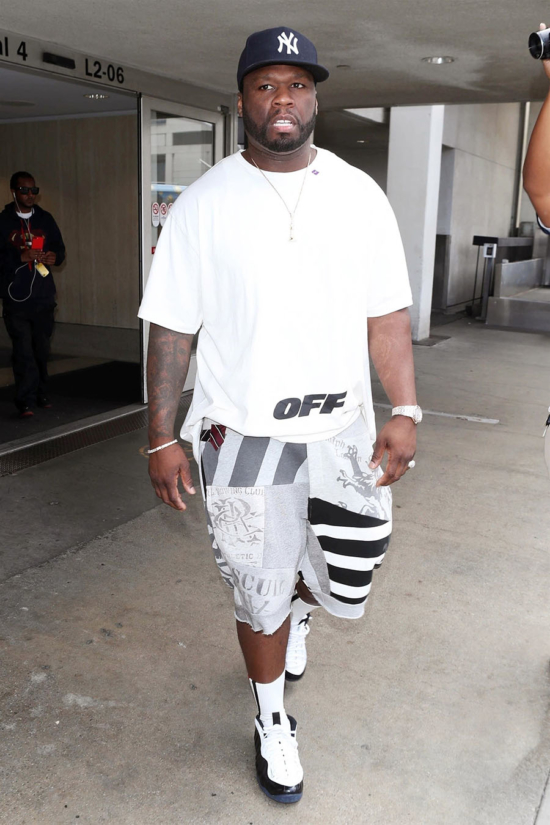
30,329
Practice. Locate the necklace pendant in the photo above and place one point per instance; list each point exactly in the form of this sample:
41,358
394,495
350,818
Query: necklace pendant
290,213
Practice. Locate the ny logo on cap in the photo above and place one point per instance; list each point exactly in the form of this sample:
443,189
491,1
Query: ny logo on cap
290,41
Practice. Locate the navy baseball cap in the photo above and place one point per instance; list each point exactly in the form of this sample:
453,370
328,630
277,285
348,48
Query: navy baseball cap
272,47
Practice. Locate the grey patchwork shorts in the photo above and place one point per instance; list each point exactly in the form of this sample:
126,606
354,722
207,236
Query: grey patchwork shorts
278,509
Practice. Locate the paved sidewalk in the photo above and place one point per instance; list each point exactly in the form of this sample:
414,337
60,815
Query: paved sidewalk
124,696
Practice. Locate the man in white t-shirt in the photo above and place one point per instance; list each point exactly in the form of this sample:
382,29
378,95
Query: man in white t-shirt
290,263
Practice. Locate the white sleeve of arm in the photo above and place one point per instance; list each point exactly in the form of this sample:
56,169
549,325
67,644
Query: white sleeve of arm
172,297
389,288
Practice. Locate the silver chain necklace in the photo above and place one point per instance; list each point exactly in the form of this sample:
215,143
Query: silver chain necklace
293,211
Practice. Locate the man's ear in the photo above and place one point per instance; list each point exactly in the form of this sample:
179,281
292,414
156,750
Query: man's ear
240,105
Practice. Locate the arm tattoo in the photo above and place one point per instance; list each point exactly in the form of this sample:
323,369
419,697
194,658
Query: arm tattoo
168,358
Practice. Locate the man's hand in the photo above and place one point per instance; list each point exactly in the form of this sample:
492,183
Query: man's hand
49,258
166,467
30,255
398,438
391,352
167,365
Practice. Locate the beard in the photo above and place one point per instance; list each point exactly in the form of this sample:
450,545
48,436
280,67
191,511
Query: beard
282,143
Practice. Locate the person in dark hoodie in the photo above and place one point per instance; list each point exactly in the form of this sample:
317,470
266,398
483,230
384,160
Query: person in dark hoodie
30,245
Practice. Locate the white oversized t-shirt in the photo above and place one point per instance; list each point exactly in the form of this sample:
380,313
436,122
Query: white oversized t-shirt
282,349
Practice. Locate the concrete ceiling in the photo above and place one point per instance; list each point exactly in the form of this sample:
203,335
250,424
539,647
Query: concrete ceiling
382,42
25,95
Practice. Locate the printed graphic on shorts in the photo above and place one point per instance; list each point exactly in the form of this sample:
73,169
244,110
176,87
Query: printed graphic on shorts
223,567
355,475
238,521
263,593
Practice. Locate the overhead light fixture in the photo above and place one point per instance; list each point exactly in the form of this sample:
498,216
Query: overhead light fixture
343,66
439,60
96,96
361,141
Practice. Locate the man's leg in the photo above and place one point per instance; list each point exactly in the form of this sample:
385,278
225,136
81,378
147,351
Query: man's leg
278,768
296,654
264,655
265,658
42,330
25,370
256,513
305,594
265,663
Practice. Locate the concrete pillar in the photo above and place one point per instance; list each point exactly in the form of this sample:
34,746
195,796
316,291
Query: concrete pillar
414,165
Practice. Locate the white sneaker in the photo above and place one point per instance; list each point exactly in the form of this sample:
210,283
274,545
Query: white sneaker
296,653
278,767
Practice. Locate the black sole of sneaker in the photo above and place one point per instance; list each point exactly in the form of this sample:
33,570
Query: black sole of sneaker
286,799
293,677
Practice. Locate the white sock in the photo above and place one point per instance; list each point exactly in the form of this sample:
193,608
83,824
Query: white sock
300,609
270,698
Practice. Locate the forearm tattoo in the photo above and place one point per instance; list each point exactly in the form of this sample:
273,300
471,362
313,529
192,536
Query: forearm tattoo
168,358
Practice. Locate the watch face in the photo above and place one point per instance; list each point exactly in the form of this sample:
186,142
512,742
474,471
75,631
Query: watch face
417,418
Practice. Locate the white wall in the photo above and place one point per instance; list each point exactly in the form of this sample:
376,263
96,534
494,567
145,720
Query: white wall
484,138
476,195
446,185
372,161
414,166
478,162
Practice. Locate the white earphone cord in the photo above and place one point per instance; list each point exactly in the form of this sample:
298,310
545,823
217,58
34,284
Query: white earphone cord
22,300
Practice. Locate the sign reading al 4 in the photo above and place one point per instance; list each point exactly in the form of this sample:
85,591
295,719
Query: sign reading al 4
16,47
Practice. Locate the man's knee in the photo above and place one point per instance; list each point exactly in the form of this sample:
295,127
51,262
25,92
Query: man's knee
305,593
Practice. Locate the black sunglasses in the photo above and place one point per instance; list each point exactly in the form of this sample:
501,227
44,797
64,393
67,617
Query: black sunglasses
26,189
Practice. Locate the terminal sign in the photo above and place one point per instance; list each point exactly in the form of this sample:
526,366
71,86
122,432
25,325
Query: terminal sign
19,48
31,53
95,68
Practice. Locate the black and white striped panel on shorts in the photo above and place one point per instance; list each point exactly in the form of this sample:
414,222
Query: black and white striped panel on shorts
353,545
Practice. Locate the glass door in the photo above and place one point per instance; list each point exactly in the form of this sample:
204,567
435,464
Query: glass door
178,145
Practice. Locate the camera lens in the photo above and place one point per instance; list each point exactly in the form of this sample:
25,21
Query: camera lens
539,45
